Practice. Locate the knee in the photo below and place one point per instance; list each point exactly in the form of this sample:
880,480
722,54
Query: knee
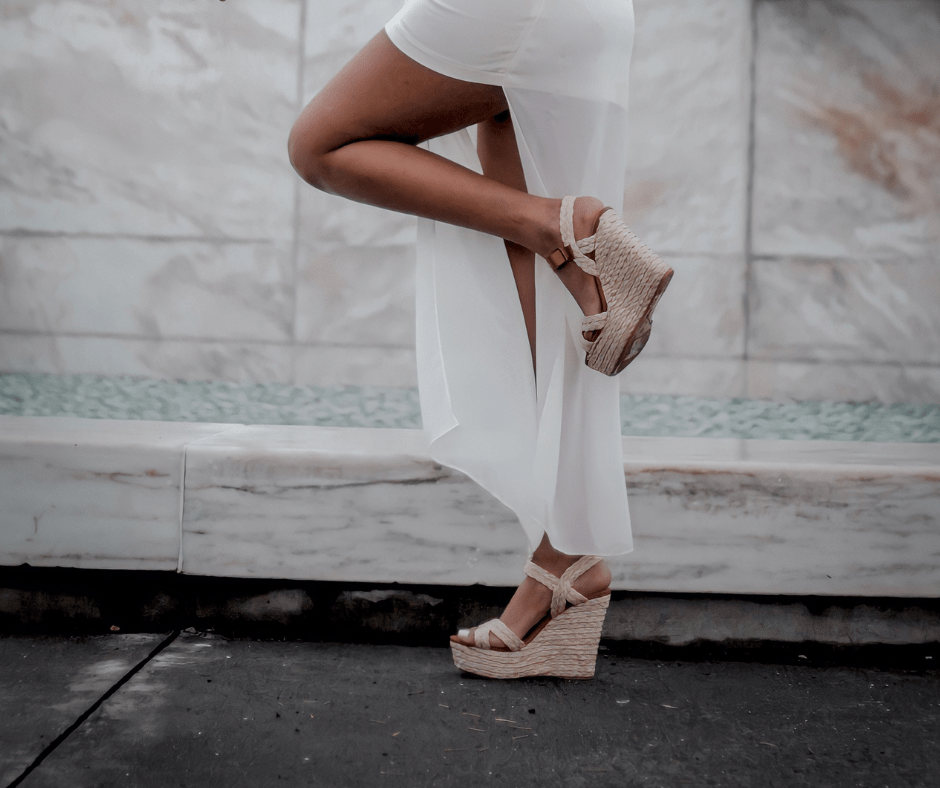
308,154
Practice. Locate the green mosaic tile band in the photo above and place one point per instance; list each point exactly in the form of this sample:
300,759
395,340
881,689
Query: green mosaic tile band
94,397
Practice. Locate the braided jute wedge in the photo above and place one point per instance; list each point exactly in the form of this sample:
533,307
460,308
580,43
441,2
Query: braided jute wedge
632,280
563,644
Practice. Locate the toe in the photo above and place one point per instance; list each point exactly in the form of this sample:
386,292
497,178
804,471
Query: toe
466,638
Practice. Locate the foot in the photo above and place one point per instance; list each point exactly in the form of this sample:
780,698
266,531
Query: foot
532,600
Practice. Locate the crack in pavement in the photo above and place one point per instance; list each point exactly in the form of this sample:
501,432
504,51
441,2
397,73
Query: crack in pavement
92,709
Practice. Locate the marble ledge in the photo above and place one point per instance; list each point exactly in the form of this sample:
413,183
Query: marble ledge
92,493
854,457
367,505
709,515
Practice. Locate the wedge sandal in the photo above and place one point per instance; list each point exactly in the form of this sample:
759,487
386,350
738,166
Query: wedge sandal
563,644
631,281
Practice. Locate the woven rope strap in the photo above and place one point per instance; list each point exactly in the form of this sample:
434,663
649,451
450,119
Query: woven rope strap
594,322
481,635
576,248
562,591
588,244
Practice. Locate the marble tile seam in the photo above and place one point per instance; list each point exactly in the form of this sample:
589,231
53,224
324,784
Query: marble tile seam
302,345
773,450
301,57
883,258
182,501
750,154
182,487
23,232
792,470
296,228
228,340
822,257
854,361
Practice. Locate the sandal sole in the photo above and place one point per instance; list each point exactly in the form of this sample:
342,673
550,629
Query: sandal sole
632,284
565,648
631,347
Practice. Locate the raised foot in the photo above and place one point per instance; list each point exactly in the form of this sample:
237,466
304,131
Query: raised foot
629,278
583,287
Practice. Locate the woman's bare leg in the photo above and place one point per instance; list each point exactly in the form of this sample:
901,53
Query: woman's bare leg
357,138
532,600
499,158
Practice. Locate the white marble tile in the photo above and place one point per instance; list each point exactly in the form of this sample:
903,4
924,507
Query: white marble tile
90,493
328,223
355,281
336,31
826,523
340,504
689,83
684,376
702,312
238,362
326,365
847,145
356,295
843,382
146,288
165,120
710,515
860,311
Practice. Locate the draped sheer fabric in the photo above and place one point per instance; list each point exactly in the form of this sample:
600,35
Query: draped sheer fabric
548,445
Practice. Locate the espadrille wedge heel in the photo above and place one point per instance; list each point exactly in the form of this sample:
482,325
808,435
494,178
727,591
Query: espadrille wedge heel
632,279
563,644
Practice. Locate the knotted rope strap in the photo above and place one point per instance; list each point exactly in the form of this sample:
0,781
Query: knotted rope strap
562,591
594,322
576,248
481,635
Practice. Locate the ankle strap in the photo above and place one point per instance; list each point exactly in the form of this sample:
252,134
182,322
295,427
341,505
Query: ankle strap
575,248
562,592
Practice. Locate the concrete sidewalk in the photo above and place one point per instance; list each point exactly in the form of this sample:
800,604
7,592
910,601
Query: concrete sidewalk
191,709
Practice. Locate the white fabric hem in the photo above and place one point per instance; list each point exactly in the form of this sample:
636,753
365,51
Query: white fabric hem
438,64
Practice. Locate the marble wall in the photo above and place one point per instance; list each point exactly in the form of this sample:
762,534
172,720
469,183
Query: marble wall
785,159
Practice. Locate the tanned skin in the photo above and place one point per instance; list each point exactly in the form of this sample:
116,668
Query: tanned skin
358,139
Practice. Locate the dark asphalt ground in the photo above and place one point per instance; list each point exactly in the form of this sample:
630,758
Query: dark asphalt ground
205,711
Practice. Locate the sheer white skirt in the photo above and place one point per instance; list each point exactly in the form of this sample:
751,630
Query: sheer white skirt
549,445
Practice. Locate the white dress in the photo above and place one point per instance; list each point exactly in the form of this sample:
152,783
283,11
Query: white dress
549,447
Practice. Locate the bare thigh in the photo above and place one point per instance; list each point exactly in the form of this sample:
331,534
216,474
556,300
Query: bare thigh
382,94
357,138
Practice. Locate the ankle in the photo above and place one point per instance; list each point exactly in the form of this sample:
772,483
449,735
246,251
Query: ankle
587,210
544,228
553,560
